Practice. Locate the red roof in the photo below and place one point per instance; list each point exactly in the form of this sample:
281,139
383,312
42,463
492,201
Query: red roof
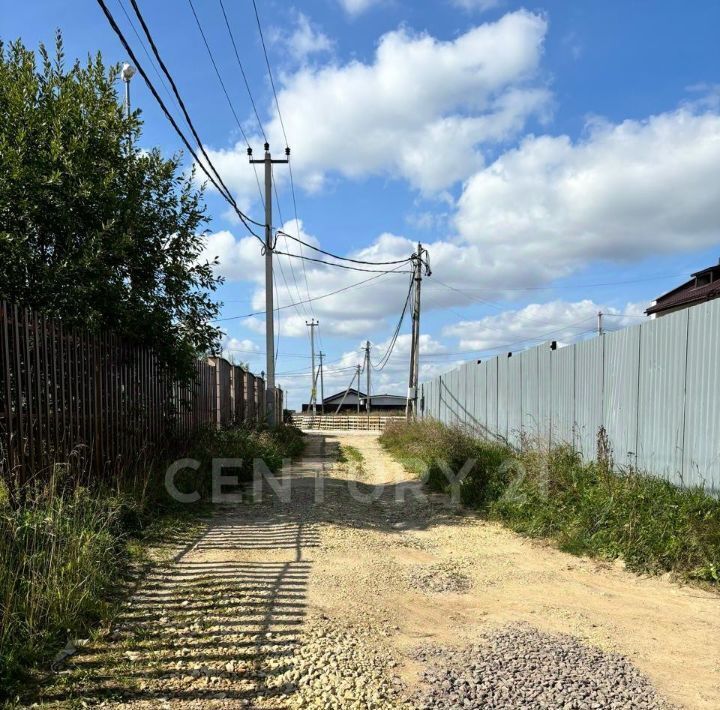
689,293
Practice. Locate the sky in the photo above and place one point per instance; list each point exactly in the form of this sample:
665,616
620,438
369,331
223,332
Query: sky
555,158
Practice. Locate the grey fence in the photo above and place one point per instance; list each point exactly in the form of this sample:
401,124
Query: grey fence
654,388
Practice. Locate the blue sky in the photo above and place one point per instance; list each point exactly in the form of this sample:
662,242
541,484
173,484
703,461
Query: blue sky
556,158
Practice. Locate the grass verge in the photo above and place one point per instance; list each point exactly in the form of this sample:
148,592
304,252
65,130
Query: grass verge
68,552
587,508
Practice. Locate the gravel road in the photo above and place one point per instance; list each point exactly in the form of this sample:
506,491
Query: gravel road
350,594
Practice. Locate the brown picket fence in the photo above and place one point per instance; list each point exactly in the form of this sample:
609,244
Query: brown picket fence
96,403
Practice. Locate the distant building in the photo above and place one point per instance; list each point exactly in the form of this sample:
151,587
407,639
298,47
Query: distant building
386,403
703,286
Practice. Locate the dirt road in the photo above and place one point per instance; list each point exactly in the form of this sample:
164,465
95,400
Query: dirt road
344,593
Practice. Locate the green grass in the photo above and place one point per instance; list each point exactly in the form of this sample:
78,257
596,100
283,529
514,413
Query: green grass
350,454
587,508
66,551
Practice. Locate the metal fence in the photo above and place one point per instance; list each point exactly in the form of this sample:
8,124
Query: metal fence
96,402
654,389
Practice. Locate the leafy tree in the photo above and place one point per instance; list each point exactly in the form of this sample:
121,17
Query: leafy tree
95,230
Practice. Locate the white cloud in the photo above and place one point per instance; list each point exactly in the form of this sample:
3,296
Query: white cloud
304,41
237,349
556,320
623,192
421,110
355,7
476,5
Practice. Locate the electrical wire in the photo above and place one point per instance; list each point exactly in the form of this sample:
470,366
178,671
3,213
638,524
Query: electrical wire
144,48
316,298
345,258
267,63
472,299
340,266
391,346
225,91
224,192
242,70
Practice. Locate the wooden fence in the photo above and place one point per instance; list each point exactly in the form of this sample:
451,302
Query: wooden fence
97,403
359,422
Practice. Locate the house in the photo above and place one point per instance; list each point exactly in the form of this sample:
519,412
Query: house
703,286
385,403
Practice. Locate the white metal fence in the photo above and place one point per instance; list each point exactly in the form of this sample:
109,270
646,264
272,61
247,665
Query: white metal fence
655,388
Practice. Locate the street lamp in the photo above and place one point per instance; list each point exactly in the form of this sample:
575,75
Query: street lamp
128,72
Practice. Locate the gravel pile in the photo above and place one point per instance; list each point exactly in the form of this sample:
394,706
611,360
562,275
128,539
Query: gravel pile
337,669
434,579
521,667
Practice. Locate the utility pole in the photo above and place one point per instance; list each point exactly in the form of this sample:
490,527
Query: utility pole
322,387
357,367
599,323
367,375
411,409
269,314
313,392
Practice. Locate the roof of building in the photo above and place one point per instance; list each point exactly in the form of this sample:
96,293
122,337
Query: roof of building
693,291
378,400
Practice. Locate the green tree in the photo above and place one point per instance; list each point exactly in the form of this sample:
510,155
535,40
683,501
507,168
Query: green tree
95,230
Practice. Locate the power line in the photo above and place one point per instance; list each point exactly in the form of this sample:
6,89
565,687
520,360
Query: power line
145,50
224,192
287,144
224,89
386,357
316,298
658,277
345,258
242,70
506,346
292,268
267,63
339,266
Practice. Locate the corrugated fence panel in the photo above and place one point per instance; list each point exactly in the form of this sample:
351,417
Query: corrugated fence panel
461,395
515,403
503,403
620,405
701,446
530,395
480,402
491,372
544,392
588,395
655,388
661,401
563,395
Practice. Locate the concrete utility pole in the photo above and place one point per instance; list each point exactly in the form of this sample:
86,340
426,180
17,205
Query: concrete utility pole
358,392
322,387
600,325
367,375
313,392
411,409
269,314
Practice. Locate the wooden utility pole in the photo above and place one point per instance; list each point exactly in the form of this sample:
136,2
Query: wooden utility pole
419,263
269,307
313,392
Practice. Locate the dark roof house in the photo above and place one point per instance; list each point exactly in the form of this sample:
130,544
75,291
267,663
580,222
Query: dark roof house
703,286
378,402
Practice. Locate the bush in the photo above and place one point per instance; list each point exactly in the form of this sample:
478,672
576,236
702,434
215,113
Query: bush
588,508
